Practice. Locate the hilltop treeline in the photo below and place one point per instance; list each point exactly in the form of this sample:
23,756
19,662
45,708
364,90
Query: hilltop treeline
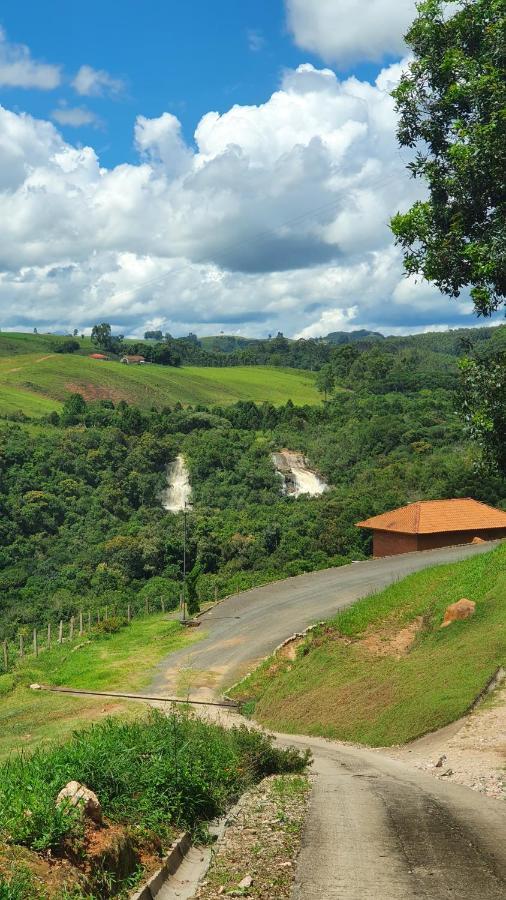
440,349
81,523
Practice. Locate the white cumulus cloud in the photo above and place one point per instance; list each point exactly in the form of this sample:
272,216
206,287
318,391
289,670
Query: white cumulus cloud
75,116
349,31
275,218
90,82
19,70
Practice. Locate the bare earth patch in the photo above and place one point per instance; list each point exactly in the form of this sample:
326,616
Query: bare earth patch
256,857
470,752
397,645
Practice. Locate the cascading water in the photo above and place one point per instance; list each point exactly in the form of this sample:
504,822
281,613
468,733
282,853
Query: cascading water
297,477
177,494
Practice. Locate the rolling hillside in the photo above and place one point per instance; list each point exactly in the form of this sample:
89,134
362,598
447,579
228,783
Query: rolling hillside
38,381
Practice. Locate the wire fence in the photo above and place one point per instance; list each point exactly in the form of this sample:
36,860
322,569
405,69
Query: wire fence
33,640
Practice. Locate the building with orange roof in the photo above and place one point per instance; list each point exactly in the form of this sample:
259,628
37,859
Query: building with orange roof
429,524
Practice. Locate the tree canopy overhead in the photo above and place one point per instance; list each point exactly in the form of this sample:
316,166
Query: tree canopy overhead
452,102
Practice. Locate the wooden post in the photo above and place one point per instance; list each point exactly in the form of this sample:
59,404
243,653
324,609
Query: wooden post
89,619
35,643
129,614
49,635
80,622
163,605
106,616
71,628
60,632
6,656
21,646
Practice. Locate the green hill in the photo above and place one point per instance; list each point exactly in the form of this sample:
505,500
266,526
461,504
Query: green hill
37,381
384,672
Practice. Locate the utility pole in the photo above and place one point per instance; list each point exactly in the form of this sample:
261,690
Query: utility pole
185,535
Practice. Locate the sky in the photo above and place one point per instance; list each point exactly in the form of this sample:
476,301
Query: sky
227,166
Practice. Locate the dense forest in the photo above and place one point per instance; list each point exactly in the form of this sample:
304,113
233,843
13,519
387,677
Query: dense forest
81,521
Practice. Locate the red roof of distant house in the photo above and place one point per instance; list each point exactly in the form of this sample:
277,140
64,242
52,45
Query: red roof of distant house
97,356
432,516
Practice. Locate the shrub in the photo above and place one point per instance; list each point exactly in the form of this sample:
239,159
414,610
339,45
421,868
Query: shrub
153,775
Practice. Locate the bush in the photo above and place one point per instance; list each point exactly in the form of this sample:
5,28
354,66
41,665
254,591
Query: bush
151,775
109,626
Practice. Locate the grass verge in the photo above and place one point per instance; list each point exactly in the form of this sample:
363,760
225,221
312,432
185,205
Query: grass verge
383,672
123,661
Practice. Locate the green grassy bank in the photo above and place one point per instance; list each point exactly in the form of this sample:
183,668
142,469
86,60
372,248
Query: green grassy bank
123,661
354,680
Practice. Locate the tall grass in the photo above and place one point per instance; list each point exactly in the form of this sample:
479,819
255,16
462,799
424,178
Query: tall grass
153,775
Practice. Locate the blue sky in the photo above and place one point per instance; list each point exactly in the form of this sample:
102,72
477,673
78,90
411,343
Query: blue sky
186,58
206,166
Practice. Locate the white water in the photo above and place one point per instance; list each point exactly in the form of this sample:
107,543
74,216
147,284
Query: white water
178,492
297,477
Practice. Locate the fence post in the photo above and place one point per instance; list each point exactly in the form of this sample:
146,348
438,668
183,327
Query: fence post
80,622
129,614
89,619
21,646
60,632
106,616
6,656
163,605
49,635
35,643
71,628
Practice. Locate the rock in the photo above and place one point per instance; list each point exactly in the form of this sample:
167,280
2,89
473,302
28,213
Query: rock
462,609
447,773
76,794
35,687
440,762
246,882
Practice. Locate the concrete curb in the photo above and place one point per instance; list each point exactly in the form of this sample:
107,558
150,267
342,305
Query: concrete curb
170,865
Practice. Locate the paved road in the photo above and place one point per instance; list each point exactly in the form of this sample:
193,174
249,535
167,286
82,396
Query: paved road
246,627
377,828
380,830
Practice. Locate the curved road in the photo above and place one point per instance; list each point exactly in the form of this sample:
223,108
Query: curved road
245,628
377,829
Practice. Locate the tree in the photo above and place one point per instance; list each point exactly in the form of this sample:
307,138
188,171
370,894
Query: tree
153,336
101,335
451,102
325,380
483,393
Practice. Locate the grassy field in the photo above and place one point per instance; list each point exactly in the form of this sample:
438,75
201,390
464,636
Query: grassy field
351,681
38,382
123,661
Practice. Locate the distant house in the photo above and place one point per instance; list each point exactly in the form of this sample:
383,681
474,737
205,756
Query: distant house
429,524
133,360
98,356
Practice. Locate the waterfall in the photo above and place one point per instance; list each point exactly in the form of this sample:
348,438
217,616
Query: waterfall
178,492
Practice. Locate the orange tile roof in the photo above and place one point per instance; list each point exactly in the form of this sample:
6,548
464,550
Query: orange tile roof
430,516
